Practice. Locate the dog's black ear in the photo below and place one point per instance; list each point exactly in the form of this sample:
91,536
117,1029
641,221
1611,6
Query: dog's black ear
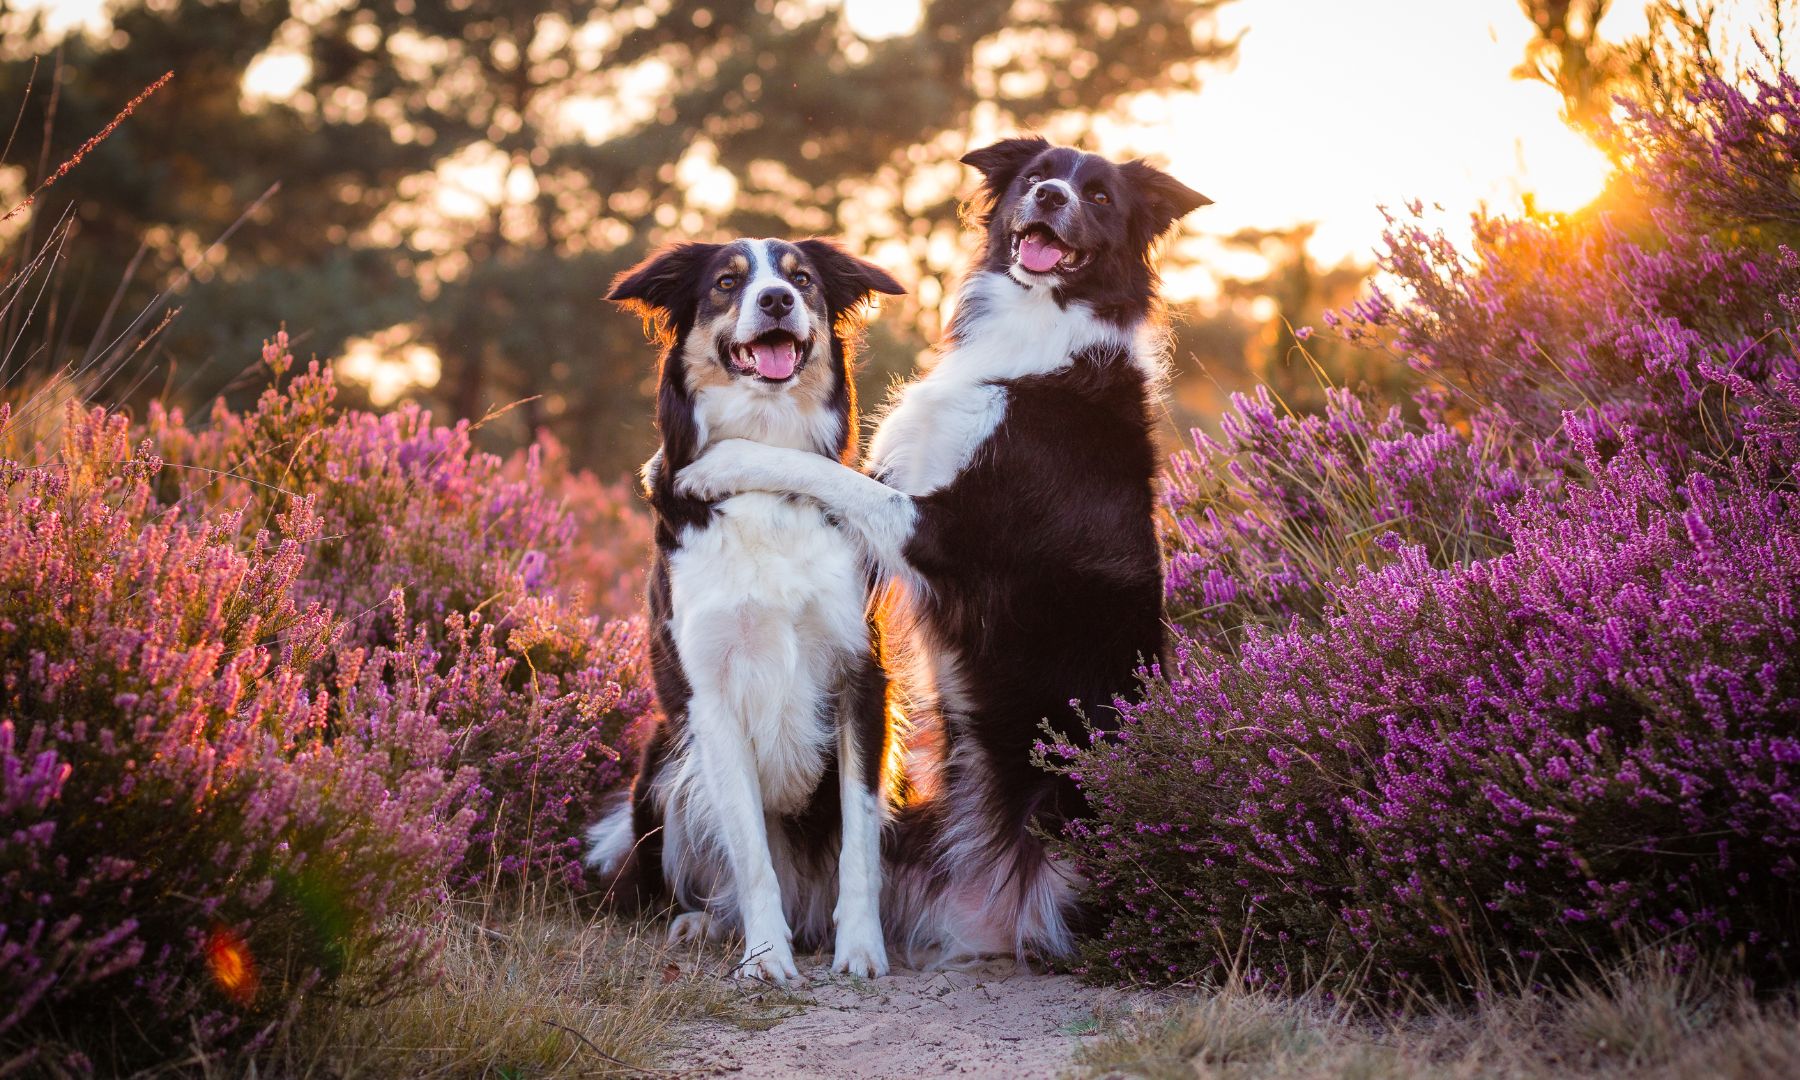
1001,162
662,287
1166,199
845,279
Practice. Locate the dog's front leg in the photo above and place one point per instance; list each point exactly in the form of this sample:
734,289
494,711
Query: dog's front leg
728,771
881,518
860,947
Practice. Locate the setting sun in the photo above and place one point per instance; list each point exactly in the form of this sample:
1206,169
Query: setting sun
1335,110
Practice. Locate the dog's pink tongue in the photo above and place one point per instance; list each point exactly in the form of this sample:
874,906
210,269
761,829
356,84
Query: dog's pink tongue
775,360
1038,253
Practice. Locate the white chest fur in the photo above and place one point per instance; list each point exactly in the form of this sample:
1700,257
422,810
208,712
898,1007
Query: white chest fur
768,603
1002,331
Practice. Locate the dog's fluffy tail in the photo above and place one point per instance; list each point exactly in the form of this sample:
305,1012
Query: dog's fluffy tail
610,840
961,885
623,860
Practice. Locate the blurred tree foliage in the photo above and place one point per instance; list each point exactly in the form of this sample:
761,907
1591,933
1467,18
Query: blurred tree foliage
1260,331
469,176
1568,55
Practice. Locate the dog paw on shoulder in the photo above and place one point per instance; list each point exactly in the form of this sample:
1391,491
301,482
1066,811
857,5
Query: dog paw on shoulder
727,468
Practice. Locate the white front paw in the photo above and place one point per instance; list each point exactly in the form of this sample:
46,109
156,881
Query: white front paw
865,958
727,468
860,949
770,958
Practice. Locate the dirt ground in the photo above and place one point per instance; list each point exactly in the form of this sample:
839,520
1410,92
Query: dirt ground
997,1020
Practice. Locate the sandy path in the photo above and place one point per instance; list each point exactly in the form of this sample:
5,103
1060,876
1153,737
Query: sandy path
996,1020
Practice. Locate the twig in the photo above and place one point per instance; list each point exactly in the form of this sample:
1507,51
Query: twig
19,118
590,1045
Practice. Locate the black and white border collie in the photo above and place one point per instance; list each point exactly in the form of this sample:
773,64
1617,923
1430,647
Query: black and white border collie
768,763
1010,490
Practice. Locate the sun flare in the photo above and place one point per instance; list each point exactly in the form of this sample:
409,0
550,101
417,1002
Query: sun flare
873,20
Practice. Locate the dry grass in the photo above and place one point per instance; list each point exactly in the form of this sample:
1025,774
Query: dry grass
537,989
1647,1021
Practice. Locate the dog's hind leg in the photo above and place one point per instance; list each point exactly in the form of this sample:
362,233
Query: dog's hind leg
727,771
862,749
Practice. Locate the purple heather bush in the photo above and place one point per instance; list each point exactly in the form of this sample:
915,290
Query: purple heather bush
1523,762
190,831
1253,519
1504,684
492,583
270,690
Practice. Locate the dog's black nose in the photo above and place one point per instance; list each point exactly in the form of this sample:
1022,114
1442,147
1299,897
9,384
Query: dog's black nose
776,302
1051,196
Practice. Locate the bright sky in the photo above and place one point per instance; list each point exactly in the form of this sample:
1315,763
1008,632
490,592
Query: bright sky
1337,108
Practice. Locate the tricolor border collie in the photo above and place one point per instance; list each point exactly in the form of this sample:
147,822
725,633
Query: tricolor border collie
1010,490
766,772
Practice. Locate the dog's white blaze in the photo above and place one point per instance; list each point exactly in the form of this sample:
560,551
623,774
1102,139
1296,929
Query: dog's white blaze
765,271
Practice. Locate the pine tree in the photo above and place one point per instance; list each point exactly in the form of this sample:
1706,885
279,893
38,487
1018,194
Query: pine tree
582,128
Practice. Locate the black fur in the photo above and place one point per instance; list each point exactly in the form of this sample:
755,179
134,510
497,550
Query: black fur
1041,569
1043,565
1142,202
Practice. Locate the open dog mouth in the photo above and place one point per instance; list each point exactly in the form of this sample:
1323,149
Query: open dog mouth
1039,250
774,356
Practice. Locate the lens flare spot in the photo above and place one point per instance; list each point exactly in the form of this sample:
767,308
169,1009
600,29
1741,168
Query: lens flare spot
233,968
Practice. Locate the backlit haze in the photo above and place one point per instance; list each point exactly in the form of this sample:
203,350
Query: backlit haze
1331,110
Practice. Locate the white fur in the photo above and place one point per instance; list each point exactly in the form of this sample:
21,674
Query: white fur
767,608
881,517
861,949
610,839
762,413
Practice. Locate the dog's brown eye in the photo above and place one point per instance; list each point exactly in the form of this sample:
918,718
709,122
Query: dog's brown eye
802,278
726,282
1101,197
